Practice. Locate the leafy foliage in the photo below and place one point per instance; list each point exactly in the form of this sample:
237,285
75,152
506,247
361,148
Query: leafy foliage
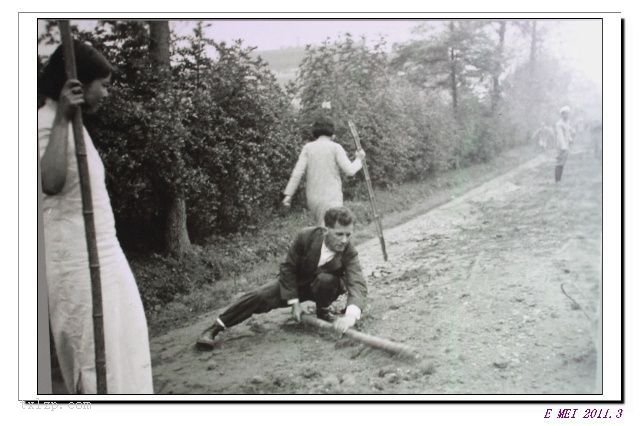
213,133
223,133
407,127
220,131
357,81
241,126
456,56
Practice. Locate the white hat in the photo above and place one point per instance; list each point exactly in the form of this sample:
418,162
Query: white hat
565,109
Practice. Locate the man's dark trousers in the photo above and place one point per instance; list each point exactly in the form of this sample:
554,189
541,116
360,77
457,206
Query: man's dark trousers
324,290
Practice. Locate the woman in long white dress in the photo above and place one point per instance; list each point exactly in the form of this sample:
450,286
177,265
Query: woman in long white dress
322,161
128,362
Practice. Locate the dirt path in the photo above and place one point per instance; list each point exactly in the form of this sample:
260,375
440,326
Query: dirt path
476,286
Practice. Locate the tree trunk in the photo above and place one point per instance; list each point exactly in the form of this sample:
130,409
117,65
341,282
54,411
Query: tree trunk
496,93
454,82
176,236
159,45
453,77
535,85
533,48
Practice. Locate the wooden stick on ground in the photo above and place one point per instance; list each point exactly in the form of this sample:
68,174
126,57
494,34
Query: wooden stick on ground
367,339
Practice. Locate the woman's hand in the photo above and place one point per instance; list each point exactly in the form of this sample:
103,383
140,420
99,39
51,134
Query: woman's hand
71,97
360,154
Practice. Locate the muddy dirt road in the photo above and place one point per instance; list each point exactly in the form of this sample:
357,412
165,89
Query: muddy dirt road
497,290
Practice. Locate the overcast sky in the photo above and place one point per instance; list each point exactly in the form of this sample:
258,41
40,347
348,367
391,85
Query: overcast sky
577,42
269,35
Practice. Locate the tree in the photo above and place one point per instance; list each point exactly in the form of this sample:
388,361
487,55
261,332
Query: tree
404,130
531,30
461,59
141,137
525,108
355,79
498,66
176,235
159,37
534,46
451,56
218,134
242,134
533,78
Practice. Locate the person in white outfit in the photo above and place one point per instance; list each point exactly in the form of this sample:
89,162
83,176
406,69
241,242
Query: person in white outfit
564,139
128,361
322,161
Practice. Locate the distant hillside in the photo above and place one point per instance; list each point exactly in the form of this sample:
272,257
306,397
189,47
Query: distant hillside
283,62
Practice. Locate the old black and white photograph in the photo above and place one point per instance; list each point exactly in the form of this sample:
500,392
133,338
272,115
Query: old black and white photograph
347,207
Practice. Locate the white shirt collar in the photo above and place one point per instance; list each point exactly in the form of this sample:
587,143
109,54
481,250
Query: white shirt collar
326,254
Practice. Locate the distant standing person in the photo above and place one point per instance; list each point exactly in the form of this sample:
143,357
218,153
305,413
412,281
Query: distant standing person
322,160
564,139
544,136
126,338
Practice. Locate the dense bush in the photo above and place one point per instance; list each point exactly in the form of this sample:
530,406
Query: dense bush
222,133
219,132
430,126
242,134
357,81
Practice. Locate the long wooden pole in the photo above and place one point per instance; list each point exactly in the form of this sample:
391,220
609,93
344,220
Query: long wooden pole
87,212
369,340
372,198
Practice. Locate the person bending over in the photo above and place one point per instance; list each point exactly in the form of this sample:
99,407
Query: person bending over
321,264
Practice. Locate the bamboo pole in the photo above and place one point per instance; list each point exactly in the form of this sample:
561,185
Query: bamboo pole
367,339
372,198
87,212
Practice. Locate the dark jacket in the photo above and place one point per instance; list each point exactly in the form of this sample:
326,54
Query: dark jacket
301,267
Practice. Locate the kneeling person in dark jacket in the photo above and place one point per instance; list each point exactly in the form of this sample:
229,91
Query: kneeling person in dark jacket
321,264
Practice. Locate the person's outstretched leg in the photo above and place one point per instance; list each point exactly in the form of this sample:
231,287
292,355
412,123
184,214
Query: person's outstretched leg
257,301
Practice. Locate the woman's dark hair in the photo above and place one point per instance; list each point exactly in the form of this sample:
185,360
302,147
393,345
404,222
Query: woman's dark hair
91,65
341,215
322,127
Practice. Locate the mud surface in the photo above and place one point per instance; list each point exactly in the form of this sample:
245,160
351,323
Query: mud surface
498,291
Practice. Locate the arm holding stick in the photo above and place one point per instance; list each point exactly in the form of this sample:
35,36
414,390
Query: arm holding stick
54,159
